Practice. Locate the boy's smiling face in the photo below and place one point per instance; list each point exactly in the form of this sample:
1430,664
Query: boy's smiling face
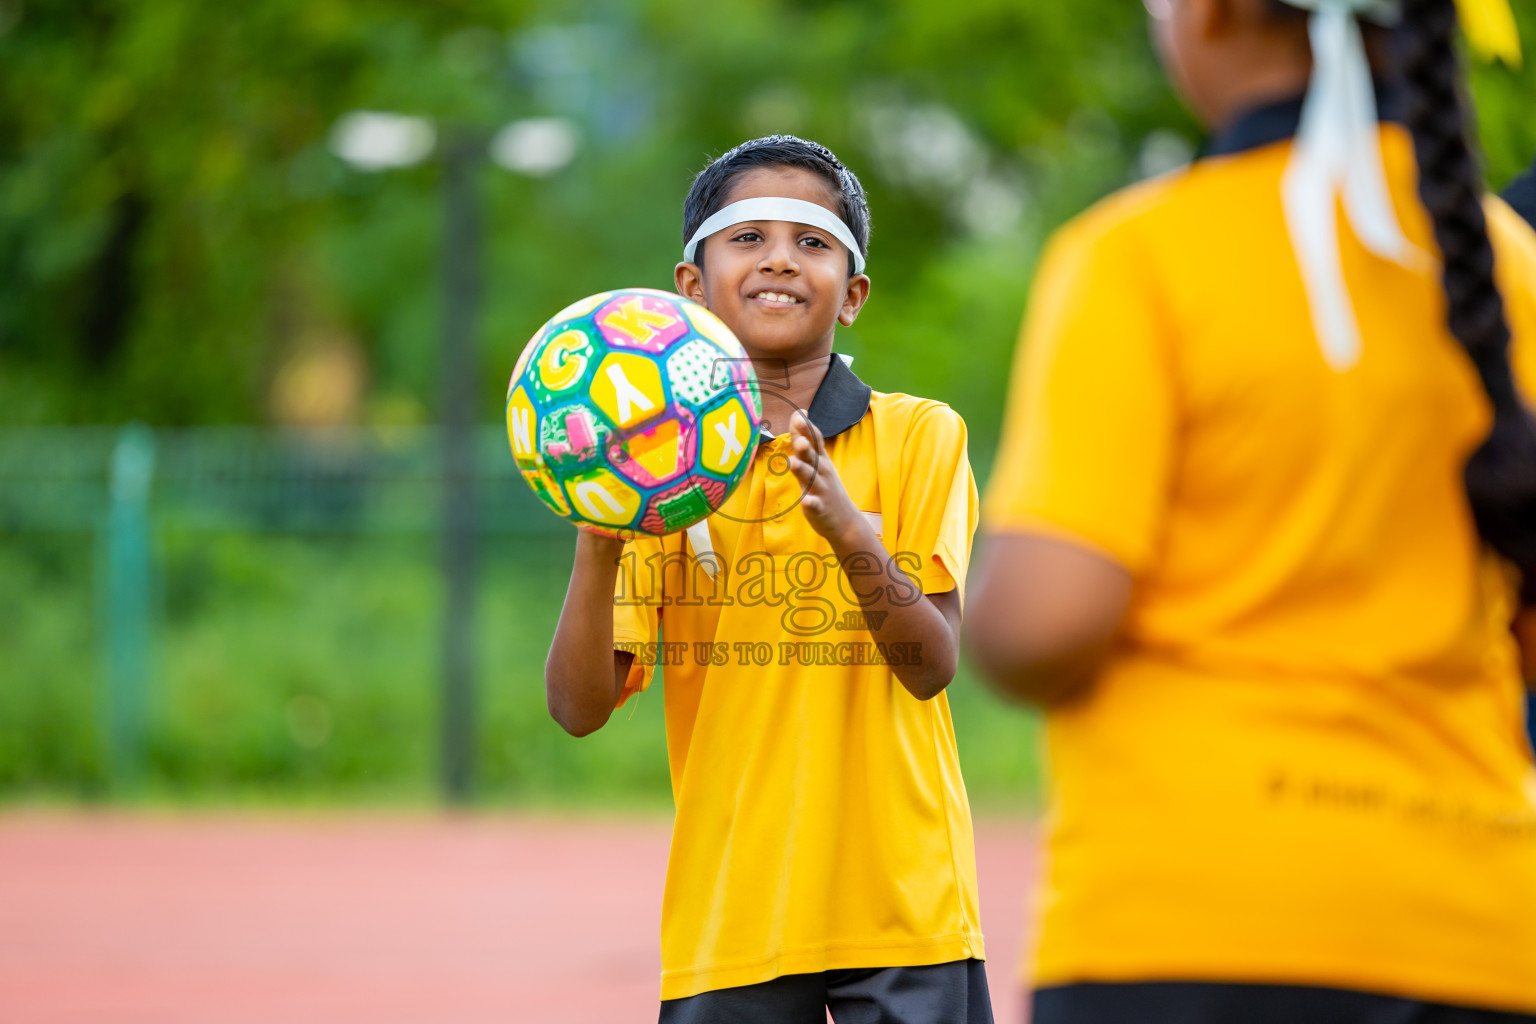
782,288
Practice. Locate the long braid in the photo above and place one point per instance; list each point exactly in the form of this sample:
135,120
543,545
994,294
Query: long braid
1501,474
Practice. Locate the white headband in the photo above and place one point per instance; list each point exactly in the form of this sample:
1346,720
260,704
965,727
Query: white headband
1337,151
796,211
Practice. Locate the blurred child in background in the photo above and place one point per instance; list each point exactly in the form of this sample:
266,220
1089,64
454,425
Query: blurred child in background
1263,515
822,854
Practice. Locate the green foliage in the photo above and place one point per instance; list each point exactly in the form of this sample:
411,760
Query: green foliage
305,669
49,732
174,228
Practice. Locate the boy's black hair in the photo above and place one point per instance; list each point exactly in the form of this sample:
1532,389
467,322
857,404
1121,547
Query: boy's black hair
709,190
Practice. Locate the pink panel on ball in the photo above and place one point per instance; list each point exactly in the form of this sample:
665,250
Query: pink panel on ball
657,455
645,322
578,428
655,519
580,437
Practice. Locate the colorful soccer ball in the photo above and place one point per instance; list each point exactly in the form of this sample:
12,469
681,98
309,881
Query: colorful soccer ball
633,411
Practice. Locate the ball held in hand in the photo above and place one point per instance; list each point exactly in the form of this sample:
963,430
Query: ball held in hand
633,411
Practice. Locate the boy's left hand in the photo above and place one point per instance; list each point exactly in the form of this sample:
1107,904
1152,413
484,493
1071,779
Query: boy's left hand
826,504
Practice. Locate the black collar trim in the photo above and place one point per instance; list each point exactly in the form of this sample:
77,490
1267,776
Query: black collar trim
841,400
1276,122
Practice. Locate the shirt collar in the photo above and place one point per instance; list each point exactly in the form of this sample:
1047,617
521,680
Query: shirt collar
841,400
1276,122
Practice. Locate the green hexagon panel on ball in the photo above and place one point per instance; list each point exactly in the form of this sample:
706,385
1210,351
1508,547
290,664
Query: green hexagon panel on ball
633,411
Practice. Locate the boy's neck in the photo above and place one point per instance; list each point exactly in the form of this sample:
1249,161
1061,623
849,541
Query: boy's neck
793,381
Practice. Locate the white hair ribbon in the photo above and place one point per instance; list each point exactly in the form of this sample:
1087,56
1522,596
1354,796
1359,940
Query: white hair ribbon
704,548
1337,150
796,211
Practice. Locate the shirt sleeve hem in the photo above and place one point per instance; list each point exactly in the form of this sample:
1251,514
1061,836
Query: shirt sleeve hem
641,671
939,582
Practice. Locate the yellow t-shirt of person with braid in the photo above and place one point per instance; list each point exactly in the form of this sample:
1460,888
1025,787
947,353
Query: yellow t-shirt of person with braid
1236,549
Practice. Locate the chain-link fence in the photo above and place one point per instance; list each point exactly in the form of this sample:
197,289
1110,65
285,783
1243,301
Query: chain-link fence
242,478
215,612
123,502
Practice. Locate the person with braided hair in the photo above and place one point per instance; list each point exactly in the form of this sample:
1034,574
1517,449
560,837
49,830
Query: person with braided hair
1261,541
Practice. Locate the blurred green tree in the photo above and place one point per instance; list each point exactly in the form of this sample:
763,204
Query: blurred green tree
174,228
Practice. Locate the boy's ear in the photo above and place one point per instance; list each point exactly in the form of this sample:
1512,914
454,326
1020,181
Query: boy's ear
854,298
690,282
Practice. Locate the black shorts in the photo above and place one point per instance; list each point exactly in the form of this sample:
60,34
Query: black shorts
1193,1002
952,993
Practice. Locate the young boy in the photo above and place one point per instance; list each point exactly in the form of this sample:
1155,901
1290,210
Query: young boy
822,854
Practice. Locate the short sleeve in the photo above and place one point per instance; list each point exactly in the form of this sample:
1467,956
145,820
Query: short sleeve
1089,432
939,505
637,612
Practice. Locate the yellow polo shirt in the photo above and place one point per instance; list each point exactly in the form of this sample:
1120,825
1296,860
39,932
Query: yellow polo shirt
1304,763
821,819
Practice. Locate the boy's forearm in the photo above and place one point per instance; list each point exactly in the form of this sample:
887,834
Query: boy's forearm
579,683
918,623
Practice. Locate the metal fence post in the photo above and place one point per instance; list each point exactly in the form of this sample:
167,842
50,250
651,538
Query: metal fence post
125,588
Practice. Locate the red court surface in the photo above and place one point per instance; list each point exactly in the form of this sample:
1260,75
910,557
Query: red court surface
112,919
